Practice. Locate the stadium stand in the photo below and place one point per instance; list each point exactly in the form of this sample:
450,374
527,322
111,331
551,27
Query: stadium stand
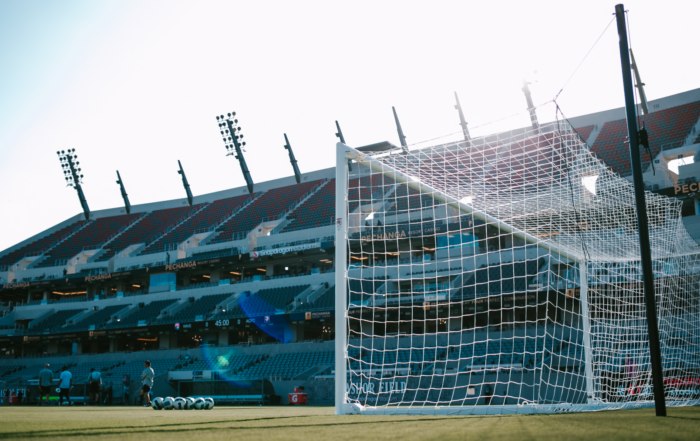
39,246
205,220
180,232
147,313
234,363
317,211
202,306
53,321
585,131
325,301
289,365
97,319
93,236
265,301
134,368
150,228
667,129
267,207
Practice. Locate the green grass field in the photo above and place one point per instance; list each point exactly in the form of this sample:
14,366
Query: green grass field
319,423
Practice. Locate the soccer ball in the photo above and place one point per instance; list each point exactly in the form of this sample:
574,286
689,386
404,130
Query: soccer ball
168,403
209,403
199,404
157,403
179,403
189,403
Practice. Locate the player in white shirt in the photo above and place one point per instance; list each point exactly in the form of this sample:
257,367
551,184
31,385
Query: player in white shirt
65,384
147,377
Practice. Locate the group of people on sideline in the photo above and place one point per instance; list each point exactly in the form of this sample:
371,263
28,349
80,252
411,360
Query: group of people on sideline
96,392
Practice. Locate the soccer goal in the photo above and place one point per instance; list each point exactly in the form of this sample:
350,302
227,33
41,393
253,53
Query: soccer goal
501,274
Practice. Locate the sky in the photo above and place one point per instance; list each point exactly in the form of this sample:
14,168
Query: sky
135,86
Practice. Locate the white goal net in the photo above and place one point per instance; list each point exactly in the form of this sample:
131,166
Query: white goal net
501,274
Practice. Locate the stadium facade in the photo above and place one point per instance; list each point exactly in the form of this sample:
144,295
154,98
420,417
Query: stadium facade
238,288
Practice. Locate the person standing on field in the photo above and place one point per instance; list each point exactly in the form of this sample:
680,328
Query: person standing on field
66,382
95,381
45,380
147,377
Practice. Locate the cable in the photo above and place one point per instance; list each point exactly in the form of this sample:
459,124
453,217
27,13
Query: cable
584,59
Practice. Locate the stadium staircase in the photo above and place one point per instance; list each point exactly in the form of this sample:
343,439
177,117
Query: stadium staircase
281,228
95,257
45,255
174,227
217,230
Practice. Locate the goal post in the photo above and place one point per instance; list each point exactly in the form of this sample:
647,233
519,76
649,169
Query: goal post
502,276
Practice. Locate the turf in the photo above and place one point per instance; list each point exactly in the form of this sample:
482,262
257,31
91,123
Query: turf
319,423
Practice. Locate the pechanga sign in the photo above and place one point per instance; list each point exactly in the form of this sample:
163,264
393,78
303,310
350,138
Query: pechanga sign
179,266
16,285
98,277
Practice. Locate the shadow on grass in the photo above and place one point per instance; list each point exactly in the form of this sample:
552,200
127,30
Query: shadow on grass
159,429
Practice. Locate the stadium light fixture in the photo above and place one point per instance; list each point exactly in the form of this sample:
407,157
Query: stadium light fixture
73,176
235,146
127,205
292,160
185,183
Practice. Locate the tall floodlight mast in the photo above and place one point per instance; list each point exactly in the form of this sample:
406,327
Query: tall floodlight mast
402,138
639,85
530,106
73,175
230,131
185,183
292,159
462,121
127,205
657,372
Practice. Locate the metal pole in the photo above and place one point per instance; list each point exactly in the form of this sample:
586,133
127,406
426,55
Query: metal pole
341,301
585,315
644,244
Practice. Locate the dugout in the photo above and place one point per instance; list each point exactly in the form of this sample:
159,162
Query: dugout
230,391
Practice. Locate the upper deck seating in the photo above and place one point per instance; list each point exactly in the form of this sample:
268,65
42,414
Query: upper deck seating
93,236
205,220
667,128
40,245
267,207
147,230
317,211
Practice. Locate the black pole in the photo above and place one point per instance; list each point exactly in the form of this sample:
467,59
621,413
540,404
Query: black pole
185,183
657,372
127,205
462,121
292,160
239,155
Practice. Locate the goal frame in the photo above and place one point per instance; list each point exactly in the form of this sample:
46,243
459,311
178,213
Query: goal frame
345,154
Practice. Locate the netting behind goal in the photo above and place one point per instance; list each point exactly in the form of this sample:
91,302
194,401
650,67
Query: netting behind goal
501,274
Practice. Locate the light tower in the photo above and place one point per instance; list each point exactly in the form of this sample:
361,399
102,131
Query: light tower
73,175
230,131
402,138
531,107
127,205
292,159
185,183
462,121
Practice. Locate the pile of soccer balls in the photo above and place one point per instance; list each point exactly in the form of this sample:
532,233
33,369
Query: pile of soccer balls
170,403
